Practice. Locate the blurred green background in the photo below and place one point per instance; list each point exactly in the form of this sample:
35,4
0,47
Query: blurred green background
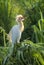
33,11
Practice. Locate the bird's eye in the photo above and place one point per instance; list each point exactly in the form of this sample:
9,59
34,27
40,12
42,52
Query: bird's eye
21,18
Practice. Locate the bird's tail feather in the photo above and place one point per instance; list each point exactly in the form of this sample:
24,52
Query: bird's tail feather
9,54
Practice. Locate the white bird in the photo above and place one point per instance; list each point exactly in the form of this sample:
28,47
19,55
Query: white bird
14,35
16,31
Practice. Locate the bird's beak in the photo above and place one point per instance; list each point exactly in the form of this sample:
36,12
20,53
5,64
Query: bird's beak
23,19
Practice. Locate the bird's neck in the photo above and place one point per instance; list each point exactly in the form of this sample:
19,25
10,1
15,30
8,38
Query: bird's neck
21,26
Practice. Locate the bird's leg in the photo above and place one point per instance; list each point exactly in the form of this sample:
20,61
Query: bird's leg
18,41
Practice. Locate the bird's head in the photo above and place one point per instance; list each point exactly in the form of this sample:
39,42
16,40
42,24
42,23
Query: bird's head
19,18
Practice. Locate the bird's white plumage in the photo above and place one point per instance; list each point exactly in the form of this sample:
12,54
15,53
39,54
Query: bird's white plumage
16,31
15,34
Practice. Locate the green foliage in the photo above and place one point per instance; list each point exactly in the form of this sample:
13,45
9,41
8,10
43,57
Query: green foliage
6,14
26,53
